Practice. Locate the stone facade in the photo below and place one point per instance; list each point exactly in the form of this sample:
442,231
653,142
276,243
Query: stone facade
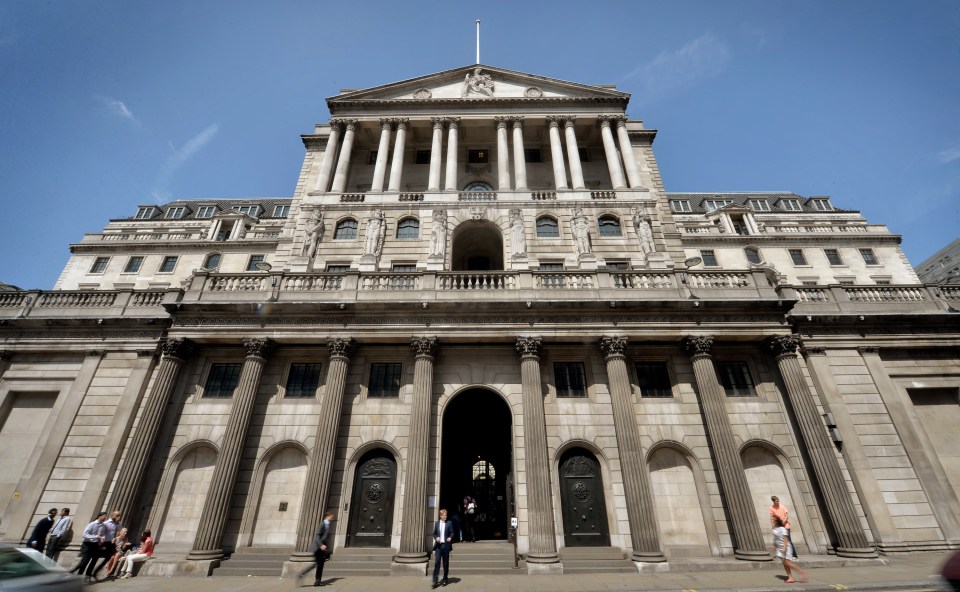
480,286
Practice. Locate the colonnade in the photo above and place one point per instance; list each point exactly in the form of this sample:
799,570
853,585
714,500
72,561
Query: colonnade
621,161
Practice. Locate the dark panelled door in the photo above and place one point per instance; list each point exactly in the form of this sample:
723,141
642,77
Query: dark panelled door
371,510
581,495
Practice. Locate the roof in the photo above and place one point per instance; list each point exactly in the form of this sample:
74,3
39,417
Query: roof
266,207
774,198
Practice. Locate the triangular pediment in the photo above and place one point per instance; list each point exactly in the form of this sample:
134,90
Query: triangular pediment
478,82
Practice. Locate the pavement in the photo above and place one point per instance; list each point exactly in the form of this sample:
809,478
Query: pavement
912,572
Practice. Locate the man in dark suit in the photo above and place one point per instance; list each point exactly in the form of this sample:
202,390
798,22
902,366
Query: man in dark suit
39,536
321,547
442,543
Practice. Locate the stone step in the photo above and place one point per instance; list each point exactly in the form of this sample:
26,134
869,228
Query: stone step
254,561
359,561
585,560
248,571
287,551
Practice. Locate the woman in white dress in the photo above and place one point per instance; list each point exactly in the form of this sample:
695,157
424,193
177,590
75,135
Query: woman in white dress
784,551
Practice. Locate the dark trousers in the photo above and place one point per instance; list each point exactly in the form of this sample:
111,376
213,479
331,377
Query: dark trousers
106,552
320,557
443,554
89,552
53,544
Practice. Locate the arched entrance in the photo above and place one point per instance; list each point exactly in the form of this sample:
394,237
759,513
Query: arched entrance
477,460
477,246
581,497
371,506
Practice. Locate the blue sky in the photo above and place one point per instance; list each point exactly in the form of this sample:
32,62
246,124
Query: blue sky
106,105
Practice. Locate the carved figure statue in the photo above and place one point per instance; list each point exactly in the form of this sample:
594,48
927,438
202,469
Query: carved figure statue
314,234
518,237
477,82
644,232
581,232
438,234
375,230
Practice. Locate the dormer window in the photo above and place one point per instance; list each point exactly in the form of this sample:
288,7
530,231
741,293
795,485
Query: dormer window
206,211
145,213
281,211
248,210
175,213
680,205
821,204
791,205
760,205
716,204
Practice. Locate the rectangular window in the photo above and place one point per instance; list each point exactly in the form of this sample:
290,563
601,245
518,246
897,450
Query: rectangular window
133,265
822,205
680,205
422,157
760,205
254,261
281,211
222,380
169,264
175,213
833,256
654,379
206,211
617,265
868,257
338,268
303,380
715,204
99,264
735,378
797,256
144,213
753,255
791,205
551,266
709,258
570,379
478,156
248,210
404,268
532,155
384,380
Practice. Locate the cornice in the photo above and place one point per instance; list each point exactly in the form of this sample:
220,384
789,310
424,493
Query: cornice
468,104
166,245
792,239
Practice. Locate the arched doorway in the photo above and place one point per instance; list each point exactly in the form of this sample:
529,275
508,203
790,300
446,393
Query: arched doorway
371,506
477,460
477,246
581,497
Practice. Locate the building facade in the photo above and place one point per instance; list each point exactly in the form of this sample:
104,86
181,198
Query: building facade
481,287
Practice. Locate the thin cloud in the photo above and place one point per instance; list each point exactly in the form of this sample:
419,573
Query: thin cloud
674,71
948,155
119,108
182,155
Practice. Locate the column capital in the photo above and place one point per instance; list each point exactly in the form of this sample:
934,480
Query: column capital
613,347
554,120
341,347
424,347
517,121
604,120
402,123
620,119
386,123
501,121
336,125
529,347
784,345
176,347
438,122
257,348
349,124
569,121
698,345
452,122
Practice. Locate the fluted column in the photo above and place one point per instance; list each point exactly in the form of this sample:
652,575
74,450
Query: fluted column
543,542
503,154
852,540
436,155
610,151
140,453
644,532
556,152
413,529
380,169
216,508
573,154
326,165
626,151
450,184
748,542
320,468
343,164
396,168
519,157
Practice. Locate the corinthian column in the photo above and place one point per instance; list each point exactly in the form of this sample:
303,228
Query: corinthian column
343,164
852,541
436,155
503,155
519,157
323,180
556,152
138,456
450,184
543,541
206,546
748,542
413,529
610,150
320,467
380,169
573,154
626,150
644,534
396,168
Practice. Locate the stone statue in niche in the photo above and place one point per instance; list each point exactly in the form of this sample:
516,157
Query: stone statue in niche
644,232
477,82
376,226
518,237
438,234
314,230
581,233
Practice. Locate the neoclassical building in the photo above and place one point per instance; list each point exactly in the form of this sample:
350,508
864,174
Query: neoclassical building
481,287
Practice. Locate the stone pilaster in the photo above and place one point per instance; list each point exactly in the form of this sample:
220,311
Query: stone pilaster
519,156
851,539
556,152
610,151
413,529
396,167
343,163
542,556
326,165
380,168
320,468
216,508
644,533
144,440
450,183
436,155
573,154
626,151
748,542
503,154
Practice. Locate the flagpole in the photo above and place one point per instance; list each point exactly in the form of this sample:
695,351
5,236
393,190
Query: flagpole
478,41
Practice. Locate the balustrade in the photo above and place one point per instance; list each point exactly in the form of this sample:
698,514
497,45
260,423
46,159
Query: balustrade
477,196
885,294
473,280
646,281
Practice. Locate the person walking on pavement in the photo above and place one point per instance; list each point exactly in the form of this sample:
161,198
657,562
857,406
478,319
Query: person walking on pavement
780,511
38,538
90,548
321,547
442,544
61,534
110,529
782,546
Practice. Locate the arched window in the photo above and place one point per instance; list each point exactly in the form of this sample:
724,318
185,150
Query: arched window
213,261
483,470
346,230
408,228
609,226
753,255
547,227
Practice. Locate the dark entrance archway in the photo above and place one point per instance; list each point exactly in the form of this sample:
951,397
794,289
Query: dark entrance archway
582,500
477,246
371,506
477,460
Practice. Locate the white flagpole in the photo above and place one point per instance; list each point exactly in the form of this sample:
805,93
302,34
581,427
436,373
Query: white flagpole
478,41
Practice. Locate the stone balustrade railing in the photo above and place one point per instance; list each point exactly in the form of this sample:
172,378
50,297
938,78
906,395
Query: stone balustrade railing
77,304
477,196
473,280
866,299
